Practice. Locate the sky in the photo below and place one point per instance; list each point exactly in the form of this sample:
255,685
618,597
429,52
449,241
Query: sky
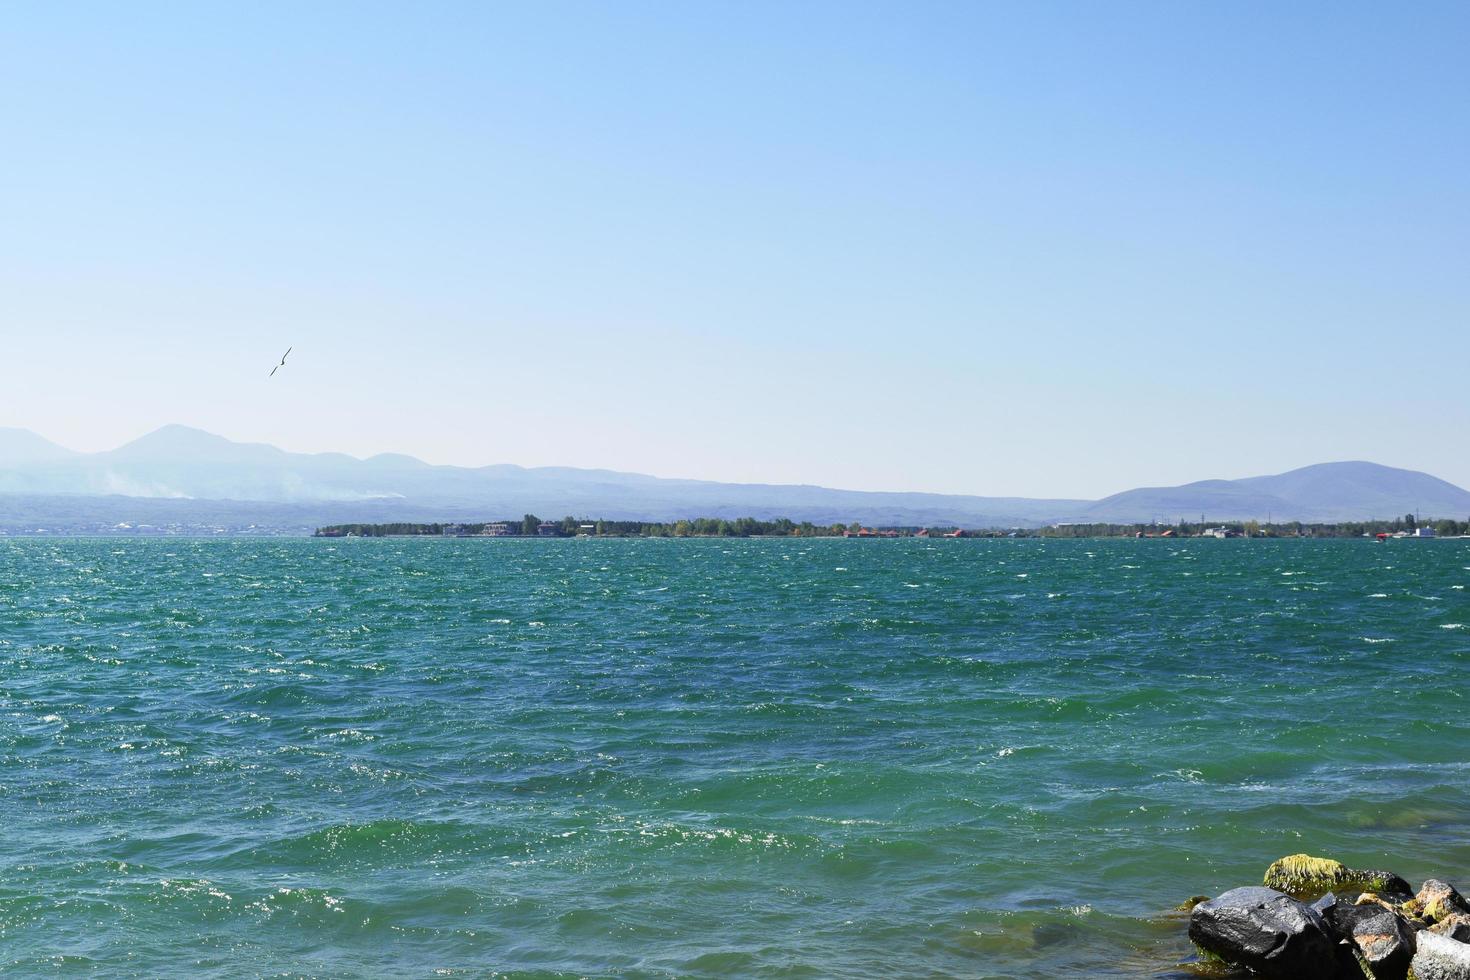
1041,249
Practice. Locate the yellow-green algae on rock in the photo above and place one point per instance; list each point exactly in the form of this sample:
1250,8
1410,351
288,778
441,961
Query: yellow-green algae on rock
1305,877
1439,901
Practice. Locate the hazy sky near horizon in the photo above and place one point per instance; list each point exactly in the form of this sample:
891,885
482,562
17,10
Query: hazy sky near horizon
1053,249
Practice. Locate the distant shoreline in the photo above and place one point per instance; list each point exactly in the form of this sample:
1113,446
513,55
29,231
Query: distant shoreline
710,527
531,526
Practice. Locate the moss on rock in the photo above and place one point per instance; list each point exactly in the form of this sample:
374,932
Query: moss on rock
1438,901
1305,877
1208,964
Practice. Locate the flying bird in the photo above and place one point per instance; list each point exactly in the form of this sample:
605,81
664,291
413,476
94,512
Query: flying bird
283,361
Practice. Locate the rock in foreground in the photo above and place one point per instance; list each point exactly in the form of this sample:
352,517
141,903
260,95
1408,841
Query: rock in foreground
1386,933
1441,958
1439,901
1269,933
1383,937
1454,926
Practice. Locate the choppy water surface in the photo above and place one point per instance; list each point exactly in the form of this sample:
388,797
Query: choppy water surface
705,758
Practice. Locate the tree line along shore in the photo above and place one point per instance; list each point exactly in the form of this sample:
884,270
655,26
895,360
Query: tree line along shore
748,527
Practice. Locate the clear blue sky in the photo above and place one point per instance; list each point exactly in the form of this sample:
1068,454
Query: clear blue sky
1021,248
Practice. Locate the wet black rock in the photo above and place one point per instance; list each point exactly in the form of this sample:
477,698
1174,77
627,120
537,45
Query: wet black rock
1383,936
1324,905
1267,932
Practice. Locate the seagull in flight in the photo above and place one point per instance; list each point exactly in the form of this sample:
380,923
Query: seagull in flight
283,361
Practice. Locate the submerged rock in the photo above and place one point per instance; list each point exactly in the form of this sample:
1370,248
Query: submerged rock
1305,877
1440,958
1267,932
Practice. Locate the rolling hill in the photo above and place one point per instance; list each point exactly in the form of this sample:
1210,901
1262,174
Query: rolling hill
1322,492
183,474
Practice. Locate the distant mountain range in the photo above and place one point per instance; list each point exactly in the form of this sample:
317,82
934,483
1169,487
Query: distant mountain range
182,476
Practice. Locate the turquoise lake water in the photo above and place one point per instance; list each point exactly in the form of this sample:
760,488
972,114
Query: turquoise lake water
706,758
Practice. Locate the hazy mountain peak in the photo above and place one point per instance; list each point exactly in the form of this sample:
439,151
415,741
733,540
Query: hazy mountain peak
1347,490
24,446
183,443
1372,489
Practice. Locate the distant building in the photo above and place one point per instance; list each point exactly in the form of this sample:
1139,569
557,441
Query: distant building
499,529
586,530
546,529
1424,532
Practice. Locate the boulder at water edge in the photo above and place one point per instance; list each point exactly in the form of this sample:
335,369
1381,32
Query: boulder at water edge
1440,901
1439,958
1306,877
1269,933
1385,938
1455,926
